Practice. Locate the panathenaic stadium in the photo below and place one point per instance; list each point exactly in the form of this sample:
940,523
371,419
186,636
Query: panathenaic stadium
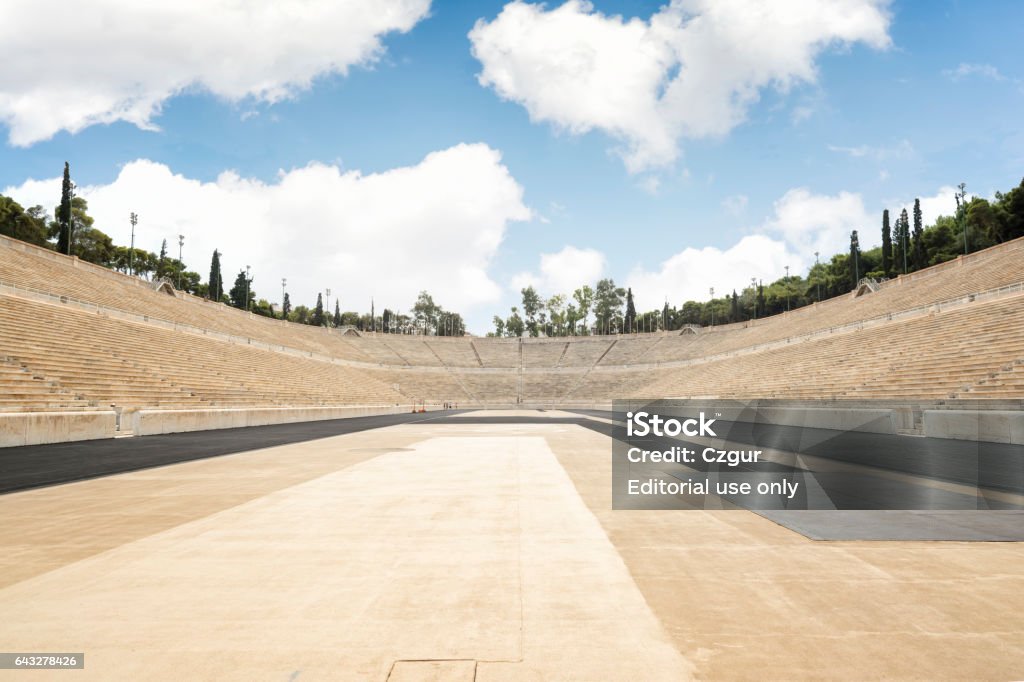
191,488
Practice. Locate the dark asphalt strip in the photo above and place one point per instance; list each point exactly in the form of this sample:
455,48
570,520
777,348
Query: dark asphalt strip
34,466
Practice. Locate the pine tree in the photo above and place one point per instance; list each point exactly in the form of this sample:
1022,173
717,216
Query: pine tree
286,307
337,313
216,283
886,244
664,317
855,258
65,235
918,237
761,308
238,292
734,314
630,311
318,313
386,321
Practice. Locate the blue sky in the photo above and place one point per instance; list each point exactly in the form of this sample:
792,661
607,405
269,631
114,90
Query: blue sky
892,102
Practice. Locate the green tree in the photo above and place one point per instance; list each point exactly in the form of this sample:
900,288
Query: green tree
1010,211
854,258
608,300
514,325
262,308
27,226
65,235
426,312
386,321
942,241
665,317
690,313
450,324
90,244
532,306
917,249
902,239
630,320
286,306
216,282
584,297
886,244
124,260
318,319
499,326
161,264
337,313
557,315
237,295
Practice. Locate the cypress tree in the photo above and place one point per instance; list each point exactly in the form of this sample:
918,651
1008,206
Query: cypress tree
64,214
318,312
855,258
664,317
904,237
734,315
286,307
337,314
630,311
886,244
918,236
216,287
161,264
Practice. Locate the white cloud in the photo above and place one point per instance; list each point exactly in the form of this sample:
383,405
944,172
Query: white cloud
801,223
801,113
819,222
965,70
433,226
900,150
564,271
650,184
943,202
69,65
735,205
689,274
691,70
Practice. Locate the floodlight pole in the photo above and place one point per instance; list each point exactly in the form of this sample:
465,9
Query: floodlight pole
181,245
962,201
906,245
787,288
71,214
753,289
134,220
818,279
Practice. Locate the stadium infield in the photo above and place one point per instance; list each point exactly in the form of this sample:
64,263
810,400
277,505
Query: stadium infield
477,546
